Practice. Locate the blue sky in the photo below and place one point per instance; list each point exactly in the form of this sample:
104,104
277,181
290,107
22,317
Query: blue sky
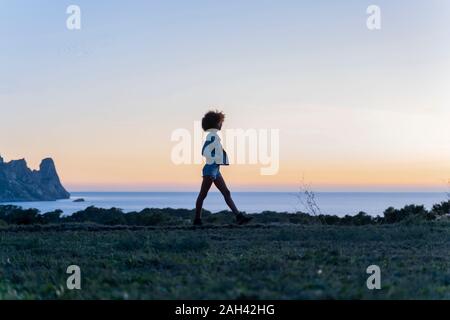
349,102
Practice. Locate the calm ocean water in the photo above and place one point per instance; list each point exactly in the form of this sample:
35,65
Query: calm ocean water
338,203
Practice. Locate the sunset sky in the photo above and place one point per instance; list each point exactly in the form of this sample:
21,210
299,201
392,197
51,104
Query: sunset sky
357,110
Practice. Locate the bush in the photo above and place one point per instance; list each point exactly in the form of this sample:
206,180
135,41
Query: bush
441,209
52,217
415,212
17,215
360,219
10,214
111,216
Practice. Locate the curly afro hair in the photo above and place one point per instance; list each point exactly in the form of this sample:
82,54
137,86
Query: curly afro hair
212,120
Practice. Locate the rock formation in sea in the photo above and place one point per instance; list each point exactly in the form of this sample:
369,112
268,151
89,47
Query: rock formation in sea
20,183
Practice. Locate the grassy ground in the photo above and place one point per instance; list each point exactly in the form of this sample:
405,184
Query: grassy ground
263,262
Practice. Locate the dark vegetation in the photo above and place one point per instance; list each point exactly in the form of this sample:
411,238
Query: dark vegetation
157,254
14,215
285,261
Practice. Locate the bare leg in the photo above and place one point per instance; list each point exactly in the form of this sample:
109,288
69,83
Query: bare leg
206,185
221,185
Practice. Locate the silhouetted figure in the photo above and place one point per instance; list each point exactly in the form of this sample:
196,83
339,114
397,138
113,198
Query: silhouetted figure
215,157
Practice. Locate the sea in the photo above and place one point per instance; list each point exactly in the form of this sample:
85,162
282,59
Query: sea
331,203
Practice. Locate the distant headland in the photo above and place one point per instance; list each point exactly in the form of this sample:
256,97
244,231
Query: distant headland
20,183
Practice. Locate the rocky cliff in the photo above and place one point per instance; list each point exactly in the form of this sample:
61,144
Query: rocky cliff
19,183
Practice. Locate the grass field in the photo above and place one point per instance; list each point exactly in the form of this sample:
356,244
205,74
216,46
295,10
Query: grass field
260,261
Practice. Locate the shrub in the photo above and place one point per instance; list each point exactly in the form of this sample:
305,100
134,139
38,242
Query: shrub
441,209
111,216
52,217
17,215
415,212
10,214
